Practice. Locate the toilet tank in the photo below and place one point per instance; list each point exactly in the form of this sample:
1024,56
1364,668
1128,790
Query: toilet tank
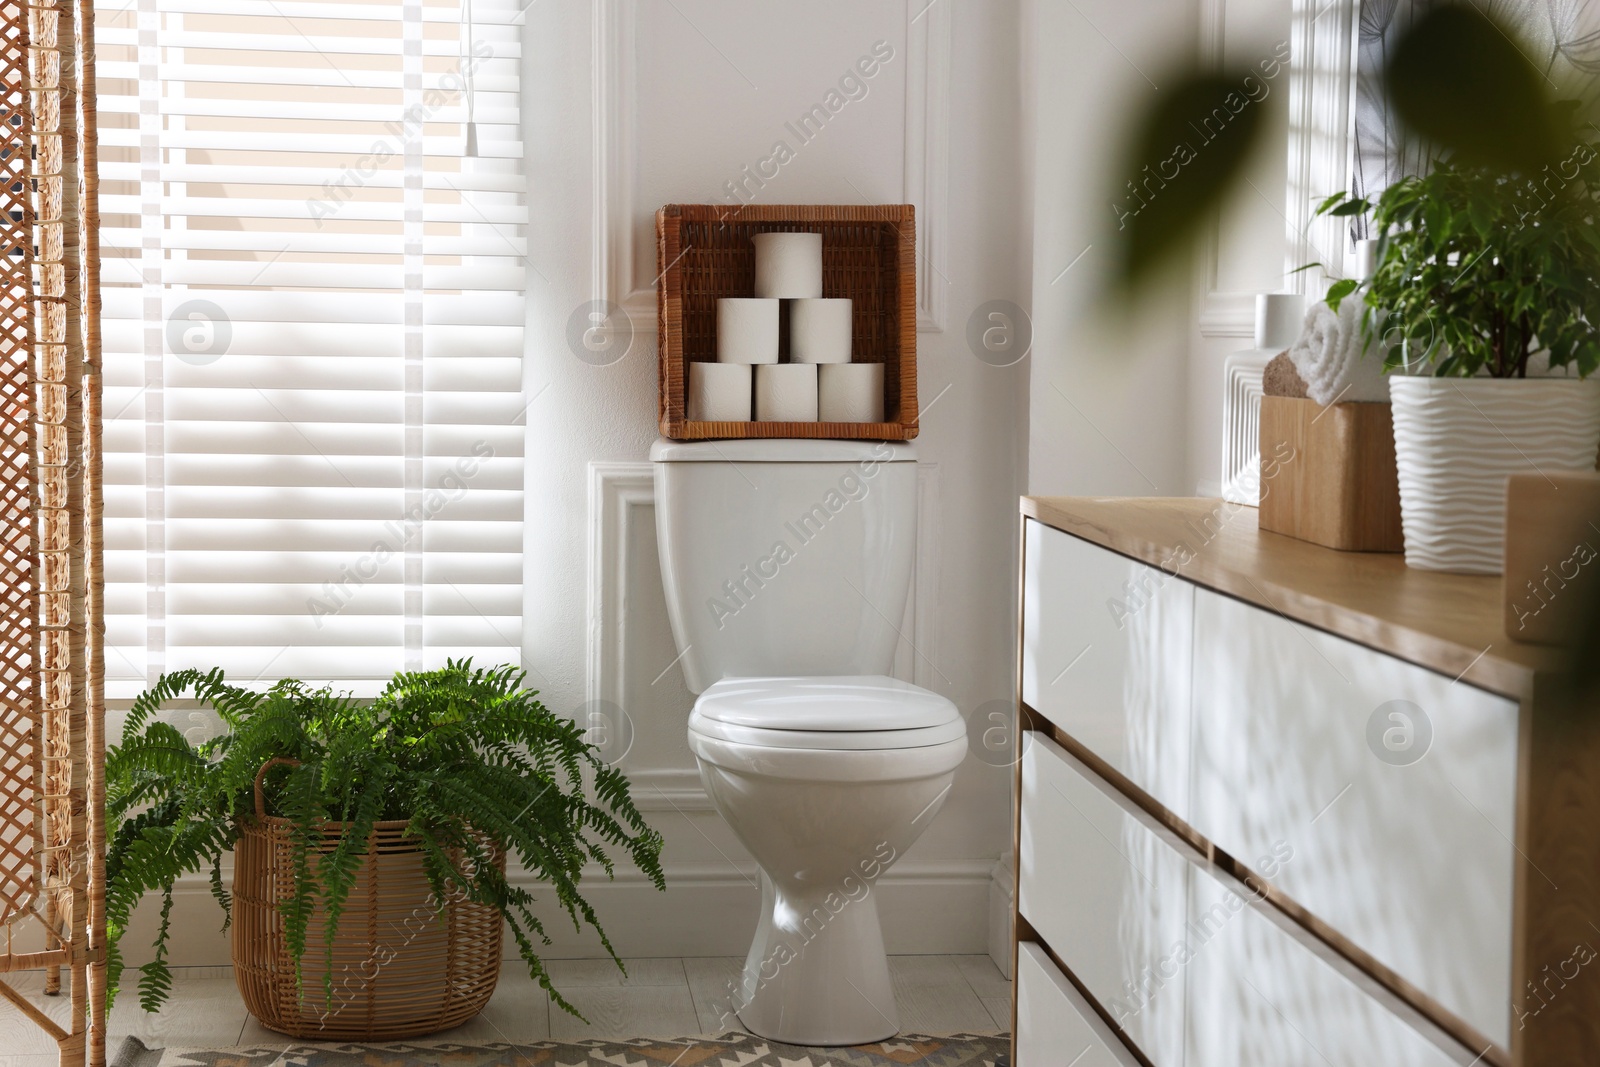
785,557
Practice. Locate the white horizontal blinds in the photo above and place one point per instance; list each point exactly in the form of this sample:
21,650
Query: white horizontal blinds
313,334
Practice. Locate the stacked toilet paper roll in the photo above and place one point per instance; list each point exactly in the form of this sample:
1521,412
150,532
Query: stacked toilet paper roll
719,392
820,330
747,335
786,392
747,330
788,265
850,392
818,380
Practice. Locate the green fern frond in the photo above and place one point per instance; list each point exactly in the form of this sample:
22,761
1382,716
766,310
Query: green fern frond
476,765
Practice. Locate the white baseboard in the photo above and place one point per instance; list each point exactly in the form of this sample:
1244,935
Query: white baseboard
926,908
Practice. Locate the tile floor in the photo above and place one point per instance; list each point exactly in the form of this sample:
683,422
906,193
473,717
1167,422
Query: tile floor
658,998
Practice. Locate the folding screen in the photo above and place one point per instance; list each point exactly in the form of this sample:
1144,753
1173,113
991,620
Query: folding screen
52,832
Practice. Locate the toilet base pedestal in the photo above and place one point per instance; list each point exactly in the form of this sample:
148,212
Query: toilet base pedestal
817,973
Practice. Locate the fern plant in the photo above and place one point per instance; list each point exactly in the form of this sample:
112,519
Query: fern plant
468,756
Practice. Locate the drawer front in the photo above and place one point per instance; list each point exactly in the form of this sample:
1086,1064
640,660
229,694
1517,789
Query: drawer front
1105,891
1262,995
1194,971
1106,645
1306,765
1055,1026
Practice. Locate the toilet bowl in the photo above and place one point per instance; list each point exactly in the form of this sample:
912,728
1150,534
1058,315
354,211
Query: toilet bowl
827,781
786,566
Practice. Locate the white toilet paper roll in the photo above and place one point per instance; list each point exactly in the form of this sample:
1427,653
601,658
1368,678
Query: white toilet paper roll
1279,317
788,265
786,392
719,392
850,392
747,330
819,331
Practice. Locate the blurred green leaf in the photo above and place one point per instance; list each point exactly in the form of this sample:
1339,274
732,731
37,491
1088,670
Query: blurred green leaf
1327,204
1183,157
1341,289
1458,78
1343,204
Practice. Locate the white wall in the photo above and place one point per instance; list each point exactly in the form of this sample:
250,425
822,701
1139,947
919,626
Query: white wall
1133,406
1107,405
1002,120
699,90
630,105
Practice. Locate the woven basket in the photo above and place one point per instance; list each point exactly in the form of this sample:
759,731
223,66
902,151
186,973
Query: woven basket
868,255
401,968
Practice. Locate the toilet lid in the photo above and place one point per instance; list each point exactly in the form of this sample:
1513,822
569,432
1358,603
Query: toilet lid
842,704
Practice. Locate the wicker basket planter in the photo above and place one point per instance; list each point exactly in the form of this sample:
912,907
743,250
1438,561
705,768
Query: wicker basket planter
868,255
400,967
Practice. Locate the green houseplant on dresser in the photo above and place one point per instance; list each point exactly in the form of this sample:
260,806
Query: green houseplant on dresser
371,840
1485,292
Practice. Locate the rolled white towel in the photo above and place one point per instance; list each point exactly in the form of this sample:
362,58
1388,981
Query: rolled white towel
1334,360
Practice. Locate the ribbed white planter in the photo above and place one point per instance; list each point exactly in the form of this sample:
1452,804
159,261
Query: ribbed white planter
1456,441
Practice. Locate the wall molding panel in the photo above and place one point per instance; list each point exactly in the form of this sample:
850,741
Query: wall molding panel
616,252
619,256
1223,312
927,169
1320,86
922,614
1226,314
621,494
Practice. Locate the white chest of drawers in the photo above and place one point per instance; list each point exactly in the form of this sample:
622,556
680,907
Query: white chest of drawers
1280,805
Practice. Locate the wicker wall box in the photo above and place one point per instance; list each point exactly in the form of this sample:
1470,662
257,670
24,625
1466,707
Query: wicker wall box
704,252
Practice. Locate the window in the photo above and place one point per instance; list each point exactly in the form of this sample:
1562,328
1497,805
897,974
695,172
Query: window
313,240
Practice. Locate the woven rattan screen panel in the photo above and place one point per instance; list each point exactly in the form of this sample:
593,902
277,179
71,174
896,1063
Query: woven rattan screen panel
19,679
52,838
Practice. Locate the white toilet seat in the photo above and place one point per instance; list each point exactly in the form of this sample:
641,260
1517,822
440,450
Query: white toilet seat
839,765
829,713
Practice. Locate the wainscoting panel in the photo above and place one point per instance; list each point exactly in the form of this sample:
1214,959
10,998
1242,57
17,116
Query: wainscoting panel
624,254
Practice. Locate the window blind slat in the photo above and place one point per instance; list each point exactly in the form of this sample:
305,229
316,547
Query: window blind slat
487,111
486,77
349,211
490,143
505,44
504,12
503,241
293,310
478,180
504,276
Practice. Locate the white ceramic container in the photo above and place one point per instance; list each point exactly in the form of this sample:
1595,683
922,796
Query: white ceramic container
1458,439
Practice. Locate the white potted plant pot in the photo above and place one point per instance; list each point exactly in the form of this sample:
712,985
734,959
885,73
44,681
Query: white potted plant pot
1457,440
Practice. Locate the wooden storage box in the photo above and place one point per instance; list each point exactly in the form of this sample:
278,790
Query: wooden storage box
704,252
1552,569
1328,474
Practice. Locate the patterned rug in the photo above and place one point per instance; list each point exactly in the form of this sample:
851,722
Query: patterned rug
729,1050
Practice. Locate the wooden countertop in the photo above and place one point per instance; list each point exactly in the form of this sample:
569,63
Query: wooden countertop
1450,623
